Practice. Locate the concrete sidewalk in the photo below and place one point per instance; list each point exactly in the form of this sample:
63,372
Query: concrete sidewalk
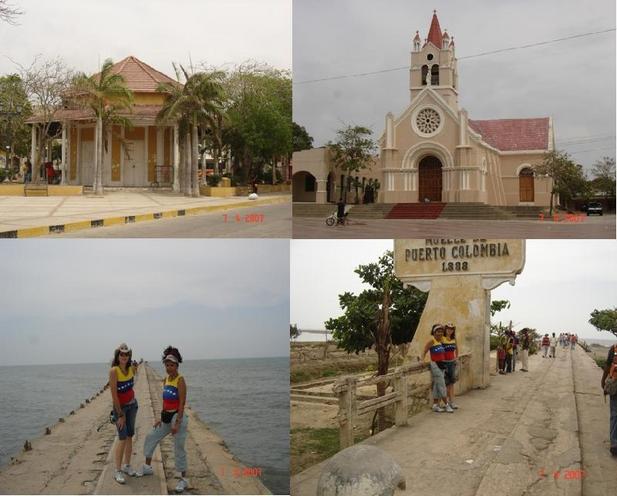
39,216
520,436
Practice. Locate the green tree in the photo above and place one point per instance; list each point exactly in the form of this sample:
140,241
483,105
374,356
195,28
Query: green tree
294,332
604,176
498,306
108,97
197,106
352,150
605,320
386,314
568,178
302,140
259,130
14,110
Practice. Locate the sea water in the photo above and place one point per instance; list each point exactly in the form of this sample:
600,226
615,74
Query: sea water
245,401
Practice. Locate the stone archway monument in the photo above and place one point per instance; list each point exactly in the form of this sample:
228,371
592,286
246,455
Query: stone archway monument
459,275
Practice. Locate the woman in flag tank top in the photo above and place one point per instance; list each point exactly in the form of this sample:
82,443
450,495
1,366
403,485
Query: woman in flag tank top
436,348
450,359
172,419
121,380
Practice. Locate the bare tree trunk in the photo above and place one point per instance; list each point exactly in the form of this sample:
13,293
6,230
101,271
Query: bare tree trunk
188,164
194,160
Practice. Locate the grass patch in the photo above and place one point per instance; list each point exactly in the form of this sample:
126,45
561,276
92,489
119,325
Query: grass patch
310,446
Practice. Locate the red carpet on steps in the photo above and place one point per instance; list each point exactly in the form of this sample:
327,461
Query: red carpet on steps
416,211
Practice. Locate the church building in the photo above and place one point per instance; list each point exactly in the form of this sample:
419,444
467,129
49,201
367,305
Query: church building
434,152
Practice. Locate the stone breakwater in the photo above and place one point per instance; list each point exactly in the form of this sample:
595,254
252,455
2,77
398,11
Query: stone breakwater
73,456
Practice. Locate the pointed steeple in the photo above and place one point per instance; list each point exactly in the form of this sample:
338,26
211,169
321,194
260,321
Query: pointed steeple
434,32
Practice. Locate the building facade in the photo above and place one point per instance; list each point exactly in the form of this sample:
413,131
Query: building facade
433,152
146,154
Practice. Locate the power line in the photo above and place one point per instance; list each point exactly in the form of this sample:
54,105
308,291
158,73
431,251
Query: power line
482,54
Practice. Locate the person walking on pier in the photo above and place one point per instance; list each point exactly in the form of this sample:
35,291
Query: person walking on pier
610,371
172,420
553,345
546,342
125,409
450,356
436,348
525,344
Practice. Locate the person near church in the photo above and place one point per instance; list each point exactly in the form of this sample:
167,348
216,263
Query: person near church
609,386
450,359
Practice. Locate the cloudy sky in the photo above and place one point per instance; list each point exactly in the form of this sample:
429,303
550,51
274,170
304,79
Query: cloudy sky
75,301
561,284
158,32
572,81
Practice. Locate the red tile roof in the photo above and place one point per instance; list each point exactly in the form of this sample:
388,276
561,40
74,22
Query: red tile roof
139,76
139,111
514,134
434,32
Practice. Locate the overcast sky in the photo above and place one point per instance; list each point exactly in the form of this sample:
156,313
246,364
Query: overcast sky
158,32
572,81
76,301
562,283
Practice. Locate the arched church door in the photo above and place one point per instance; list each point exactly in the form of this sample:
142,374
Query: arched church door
429,180
525,184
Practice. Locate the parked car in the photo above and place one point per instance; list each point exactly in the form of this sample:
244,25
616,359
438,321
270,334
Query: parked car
594,208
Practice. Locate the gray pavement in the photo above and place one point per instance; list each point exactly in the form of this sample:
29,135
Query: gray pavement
591,227
521,436
19,213
268,221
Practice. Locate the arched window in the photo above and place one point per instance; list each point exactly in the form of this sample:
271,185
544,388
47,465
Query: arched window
424,72
435,75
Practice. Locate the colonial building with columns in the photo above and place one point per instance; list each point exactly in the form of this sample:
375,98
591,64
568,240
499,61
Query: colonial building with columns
144,155
433,152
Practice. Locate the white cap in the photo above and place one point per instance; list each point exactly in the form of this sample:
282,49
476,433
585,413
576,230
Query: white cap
171,358
124,348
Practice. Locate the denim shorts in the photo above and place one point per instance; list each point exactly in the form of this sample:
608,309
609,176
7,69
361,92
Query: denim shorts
450,372
130,412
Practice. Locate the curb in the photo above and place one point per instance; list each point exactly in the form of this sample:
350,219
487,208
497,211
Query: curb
31,232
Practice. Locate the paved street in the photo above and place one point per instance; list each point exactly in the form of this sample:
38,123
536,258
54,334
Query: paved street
590,227
271,221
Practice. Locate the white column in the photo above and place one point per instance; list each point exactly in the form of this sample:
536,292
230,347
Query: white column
176,185
160,151
65,169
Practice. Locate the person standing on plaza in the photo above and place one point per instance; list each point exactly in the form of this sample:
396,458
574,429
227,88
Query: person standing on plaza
508,346
515,347
437,352
553,345
172,419
125,409
450,359
525,345
610,372
546,342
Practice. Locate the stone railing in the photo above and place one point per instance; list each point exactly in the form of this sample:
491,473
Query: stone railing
402,394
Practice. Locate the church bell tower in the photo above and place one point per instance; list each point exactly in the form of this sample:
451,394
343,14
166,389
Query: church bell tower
433,63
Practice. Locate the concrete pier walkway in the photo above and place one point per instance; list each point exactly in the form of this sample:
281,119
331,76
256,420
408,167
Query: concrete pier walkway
77,457
544,432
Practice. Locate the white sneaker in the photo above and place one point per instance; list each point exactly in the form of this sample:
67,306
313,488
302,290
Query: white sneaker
182,485
436,408
454,406
145,470
449,408
128,470
119,477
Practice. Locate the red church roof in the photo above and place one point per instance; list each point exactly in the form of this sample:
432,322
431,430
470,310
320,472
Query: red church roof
139,76
434,32
514,134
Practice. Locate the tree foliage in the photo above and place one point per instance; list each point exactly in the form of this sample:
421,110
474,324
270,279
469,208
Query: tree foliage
302,140
294,332
569,179
605,320
9,13
604,176
13,129
258,130
498,306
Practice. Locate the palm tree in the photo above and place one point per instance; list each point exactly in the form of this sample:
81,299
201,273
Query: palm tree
107,95
195,106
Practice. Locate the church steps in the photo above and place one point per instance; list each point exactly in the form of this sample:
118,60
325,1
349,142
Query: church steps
416,211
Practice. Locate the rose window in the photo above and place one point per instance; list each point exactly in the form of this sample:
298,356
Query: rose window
427,121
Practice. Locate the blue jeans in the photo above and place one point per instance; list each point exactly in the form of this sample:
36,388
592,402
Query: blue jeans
613,433
130,412
158,433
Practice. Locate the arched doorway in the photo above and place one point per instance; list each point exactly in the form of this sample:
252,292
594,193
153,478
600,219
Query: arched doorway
429,179
525,185
304,187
